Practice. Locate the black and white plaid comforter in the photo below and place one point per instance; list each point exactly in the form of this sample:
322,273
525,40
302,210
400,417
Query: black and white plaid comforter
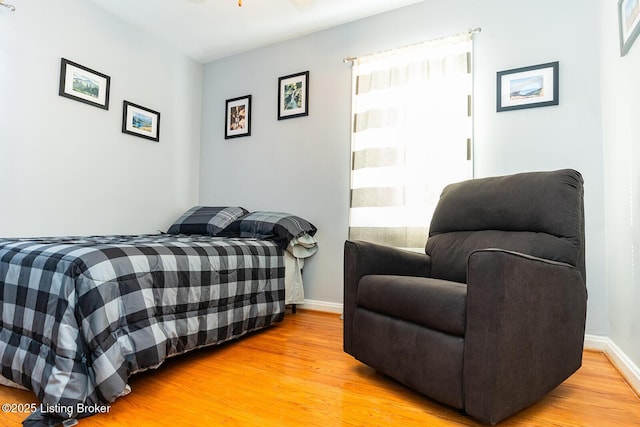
80,315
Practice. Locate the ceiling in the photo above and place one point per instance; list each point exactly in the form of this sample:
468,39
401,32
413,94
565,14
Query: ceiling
206,30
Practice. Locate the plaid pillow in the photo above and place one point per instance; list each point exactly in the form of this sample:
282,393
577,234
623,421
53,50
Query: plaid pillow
280,227
206,220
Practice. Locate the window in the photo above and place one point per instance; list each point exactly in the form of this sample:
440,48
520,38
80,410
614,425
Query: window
411,136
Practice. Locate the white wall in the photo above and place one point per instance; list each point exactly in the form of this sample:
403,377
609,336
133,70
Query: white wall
66,167
302,165
298,165
621,109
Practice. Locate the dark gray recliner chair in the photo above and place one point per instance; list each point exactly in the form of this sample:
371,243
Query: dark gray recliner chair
493,316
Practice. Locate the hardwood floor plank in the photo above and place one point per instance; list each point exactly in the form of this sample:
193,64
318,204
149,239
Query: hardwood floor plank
296,373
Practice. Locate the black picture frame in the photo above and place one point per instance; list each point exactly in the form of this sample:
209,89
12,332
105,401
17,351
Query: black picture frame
83,84
293,95
528,87
140,121
237,117
628,23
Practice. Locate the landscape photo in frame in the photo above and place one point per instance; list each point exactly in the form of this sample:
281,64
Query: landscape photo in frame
83,84
140,121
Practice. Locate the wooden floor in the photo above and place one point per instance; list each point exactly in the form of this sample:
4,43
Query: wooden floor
296,374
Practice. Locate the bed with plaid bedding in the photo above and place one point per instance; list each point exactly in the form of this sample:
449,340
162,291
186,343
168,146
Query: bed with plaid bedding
81,315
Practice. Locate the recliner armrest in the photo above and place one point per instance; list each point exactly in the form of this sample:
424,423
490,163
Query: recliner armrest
364,258
373,258
524,330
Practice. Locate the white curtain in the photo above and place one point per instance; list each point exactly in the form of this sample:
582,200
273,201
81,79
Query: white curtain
411,135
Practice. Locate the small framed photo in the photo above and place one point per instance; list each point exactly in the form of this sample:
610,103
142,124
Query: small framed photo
83,84
140,121
237,117
293,96
528,87
628,23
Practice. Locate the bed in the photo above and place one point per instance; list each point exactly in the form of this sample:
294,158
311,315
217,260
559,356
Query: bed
80,315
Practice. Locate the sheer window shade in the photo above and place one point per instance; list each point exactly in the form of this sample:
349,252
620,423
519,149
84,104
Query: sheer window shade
411,133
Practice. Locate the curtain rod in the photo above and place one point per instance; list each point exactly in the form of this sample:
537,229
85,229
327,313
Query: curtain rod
11,7
471,32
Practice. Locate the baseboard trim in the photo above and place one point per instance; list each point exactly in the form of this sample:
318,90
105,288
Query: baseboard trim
327,307
629,371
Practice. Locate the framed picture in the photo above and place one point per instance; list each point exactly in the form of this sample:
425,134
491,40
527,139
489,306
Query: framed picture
84,84
237,117
293,96
628,23
140,121
528,87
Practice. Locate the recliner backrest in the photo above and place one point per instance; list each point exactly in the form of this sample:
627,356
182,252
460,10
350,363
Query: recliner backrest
536,213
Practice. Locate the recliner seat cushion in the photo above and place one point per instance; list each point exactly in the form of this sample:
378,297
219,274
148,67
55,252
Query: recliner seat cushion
433,303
